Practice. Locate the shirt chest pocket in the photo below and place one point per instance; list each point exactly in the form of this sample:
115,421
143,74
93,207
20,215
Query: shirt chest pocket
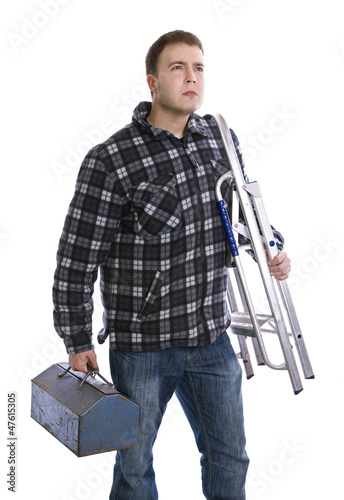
156,207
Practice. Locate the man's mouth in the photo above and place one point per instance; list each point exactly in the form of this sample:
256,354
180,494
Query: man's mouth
190,93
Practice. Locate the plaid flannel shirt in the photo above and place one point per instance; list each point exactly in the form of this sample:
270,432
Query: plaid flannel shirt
144,213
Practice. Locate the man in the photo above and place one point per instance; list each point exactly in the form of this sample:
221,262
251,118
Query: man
144,213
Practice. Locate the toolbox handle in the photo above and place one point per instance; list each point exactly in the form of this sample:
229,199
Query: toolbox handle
92,372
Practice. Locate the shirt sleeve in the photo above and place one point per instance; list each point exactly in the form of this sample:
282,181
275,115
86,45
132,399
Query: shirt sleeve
92,219
242,240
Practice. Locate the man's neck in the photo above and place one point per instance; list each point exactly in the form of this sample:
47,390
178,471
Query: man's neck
174,123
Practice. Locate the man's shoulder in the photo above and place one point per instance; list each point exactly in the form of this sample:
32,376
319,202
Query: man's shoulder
209,124
129,135
204,125
119,148
121,139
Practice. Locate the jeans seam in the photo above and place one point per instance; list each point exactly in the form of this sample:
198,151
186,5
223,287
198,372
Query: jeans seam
207,449
221,466
115,488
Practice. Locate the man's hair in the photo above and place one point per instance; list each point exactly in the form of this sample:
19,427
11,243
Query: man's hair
177,36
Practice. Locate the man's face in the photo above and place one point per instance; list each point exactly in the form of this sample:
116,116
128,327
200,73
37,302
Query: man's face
179,85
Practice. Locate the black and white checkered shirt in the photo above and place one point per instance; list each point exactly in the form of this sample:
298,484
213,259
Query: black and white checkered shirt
144,213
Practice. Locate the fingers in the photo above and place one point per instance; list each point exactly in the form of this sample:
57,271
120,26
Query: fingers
79,361
280,266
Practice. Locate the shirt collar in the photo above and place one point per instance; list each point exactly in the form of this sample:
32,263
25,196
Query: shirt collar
195,123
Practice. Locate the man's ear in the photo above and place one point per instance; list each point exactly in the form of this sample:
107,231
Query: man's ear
151,81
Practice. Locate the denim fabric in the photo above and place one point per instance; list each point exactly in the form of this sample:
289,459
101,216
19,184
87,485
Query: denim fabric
207,382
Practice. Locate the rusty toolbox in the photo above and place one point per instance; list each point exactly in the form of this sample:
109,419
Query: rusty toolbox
85,414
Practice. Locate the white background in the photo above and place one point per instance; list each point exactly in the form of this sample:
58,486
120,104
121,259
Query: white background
72,73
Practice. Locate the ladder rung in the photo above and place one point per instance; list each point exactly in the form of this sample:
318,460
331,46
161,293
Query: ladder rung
241,323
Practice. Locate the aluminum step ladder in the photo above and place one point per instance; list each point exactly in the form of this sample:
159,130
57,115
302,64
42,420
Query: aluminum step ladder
282,320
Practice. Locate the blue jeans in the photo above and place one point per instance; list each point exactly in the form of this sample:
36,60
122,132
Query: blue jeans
207,382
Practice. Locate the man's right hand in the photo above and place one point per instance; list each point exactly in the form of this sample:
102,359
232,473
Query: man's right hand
79,361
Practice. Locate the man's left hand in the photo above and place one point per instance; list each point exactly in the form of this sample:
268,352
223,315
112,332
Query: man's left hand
280,266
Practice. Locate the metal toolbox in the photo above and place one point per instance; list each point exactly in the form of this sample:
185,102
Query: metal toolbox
86,415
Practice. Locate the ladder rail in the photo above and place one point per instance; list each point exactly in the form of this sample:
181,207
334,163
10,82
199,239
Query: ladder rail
284,289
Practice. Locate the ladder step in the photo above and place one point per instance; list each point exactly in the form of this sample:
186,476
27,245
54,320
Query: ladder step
241,323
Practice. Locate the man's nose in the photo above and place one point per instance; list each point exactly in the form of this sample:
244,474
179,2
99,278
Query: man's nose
191,76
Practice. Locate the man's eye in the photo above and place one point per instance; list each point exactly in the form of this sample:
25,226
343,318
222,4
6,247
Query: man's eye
177,67
200,69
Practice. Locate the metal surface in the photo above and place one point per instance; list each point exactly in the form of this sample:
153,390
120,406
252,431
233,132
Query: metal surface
259,231
87,416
